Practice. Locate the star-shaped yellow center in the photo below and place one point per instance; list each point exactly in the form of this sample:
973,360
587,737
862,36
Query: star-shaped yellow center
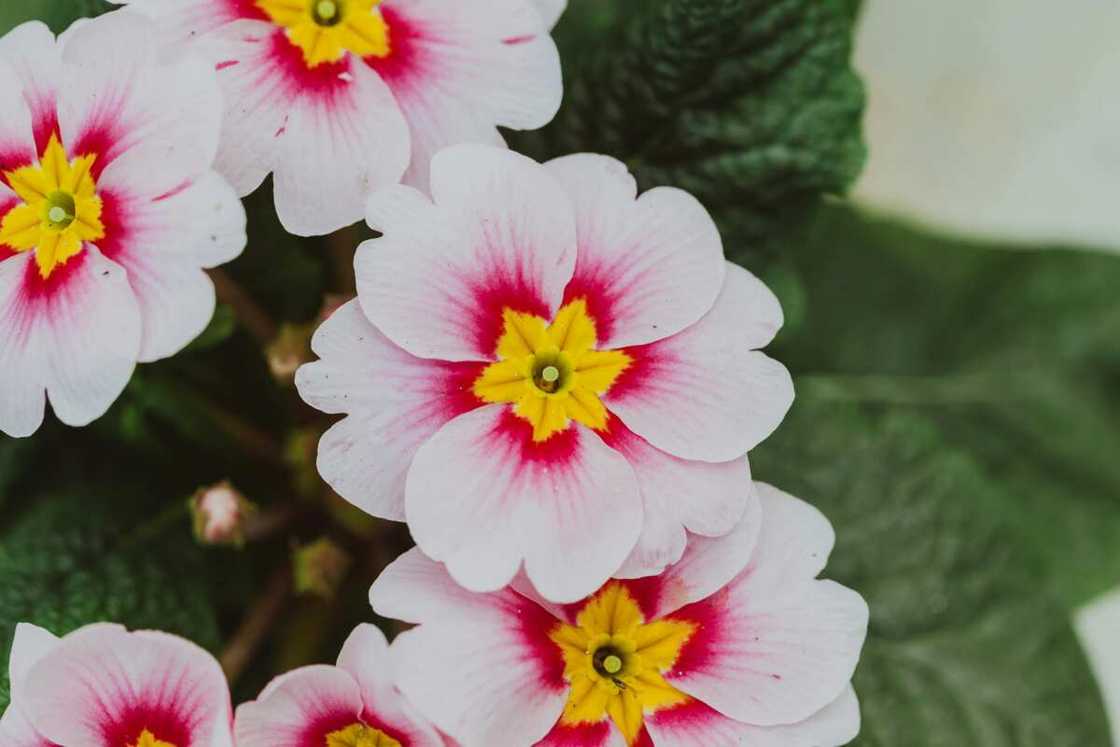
59,211
615,661
147,739
360,735
325,30
552,373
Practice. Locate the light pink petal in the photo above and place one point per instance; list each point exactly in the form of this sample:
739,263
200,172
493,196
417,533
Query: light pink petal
601,734
30,644
163,244
17,731
33,55
775,645
706,393
394,402
500,235
458,70
551,10
648,267
190,22
365,655
479,666
75,335
154,126
341,140
677,495
103,686
482,497
694,724
300,708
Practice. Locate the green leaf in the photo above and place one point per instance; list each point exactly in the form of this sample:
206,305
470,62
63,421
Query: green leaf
965,648
83,556
1013,354
749,104
58,14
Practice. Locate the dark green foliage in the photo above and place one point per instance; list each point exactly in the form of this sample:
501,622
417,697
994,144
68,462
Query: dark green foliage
83,556
749,104
1012,353
966,648
58,14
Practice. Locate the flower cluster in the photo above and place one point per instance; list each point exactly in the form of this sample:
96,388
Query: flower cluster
553,379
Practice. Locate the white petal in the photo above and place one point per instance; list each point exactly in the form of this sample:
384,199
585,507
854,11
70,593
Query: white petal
98,678
76,334
458,70
482,497
336,149
17,731
479,666
500,234
776,645
31,51
394,402
706,393
649,266
30,644
154,126
677,494
551,10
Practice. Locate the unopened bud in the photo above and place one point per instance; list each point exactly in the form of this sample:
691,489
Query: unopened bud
320,568
290,350
219,513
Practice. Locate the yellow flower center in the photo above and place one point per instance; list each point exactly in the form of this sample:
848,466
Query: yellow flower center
147,739
360,735
325,30
59,211
552,374
615,662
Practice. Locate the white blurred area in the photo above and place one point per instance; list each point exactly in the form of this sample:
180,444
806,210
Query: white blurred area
995,118
1000,119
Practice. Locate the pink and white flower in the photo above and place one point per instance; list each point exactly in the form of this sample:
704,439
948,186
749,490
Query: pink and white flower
102,686
543,368
109,210
738,643
353,704
339,97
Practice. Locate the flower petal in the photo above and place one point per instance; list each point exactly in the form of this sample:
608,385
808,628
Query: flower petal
648,267
300,708
458,70
17,731
551,10
30,644
705,393
777,645
341,140
76,335
102,685
703,498
394,402
696,724
365,655
479,666
499,236
31,51
482,496
152,125
601,734
163,244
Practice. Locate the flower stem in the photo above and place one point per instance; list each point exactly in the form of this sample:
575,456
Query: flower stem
249,313
257,624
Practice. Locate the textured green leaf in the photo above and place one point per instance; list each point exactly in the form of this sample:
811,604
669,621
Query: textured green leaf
965,648
82,556
749,104
1013,354
58,14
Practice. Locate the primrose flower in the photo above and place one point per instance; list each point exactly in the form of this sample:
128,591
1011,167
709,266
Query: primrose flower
542,368
339,97
102,686
738,643
354,704
109,210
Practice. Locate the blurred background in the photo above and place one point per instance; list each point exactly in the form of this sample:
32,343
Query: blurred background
1000,120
